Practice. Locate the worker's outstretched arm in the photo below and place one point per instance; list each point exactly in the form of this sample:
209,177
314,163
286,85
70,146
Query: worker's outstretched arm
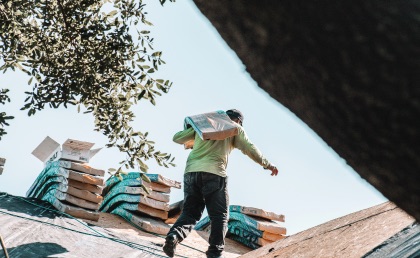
243,143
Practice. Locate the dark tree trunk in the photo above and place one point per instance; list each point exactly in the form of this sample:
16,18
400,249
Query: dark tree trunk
348,69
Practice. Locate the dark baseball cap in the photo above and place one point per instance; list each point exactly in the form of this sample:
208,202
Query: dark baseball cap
234,113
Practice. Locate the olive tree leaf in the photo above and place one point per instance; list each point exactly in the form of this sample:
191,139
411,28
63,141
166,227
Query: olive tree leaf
77,53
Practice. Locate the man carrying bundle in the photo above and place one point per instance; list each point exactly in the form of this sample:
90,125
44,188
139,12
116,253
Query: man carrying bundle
205,184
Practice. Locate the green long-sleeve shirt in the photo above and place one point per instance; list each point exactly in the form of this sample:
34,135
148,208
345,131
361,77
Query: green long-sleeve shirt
212,155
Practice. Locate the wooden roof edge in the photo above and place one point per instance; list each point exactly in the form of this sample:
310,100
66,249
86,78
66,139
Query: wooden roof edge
327,227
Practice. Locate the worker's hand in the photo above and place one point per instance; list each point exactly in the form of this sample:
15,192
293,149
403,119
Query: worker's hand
274,170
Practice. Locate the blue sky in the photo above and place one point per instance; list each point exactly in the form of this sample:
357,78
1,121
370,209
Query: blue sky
314,184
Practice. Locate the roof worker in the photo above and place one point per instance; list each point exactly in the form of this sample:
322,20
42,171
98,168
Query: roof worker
205,184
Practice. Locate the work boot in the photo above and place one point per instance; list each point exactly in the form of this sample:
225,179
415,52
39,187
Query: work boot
170,245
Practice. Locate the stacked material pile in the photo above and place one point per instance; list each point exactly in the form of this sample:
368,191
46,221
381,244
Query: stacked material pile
71,187
252,227
175,210
127,198
2,161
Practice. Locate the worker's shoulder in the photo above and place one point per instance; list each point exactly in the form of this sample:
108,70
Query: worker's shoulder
241,130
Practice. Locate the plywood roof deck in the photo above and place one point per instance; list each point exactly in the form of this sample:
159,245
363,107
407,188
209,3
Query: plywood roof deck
193,246
353,235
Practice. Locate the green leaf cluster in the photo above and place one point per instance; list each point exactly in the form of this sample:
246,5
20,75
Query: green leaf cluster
162,2
3,116
96,54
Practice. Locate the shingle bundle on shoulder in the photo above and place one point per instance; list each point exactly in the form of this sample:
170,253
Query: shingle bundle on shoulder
67,181
250,226
210,126
127,198
70,187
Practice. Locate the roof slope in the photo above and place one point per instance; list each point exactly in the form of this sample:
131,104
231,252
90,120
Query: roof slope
33,228
353,235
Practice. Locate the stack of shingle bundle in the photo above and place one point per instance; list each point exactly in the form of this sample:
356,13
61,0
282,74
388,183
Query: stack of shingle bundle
127,198
70,187
252,227
2,161
175,210
67,181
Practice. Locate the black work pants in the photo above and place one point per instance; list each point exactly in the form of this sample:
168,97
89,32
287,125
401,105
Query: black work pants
202,189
